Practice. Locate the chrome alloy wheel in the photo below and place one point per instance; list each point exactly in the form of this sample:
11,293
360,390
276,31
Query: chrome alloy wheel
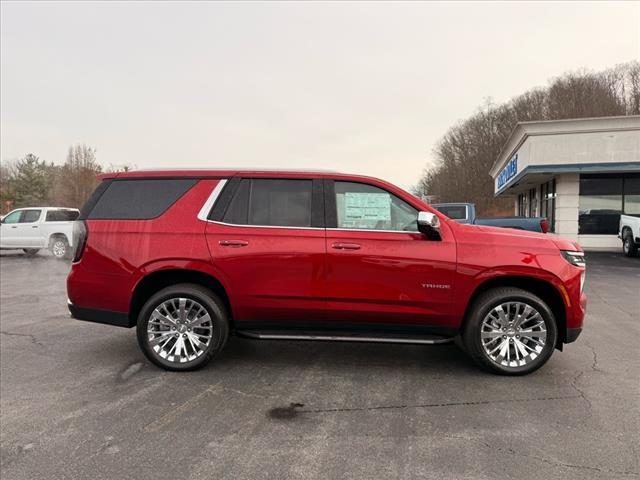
179,330
59,249
513,334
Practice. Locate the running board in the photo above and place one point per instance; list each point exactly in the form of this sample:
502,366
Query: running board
406,339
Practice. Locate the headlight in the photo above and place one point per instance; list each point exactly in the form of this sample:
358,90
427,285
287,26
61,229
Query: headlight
574,258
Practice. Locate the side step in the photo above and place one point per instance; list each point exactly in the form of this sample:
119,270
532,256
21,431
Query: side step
345,337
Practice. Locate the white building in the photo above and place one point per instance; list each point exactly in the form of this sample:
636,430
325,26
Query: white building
581,174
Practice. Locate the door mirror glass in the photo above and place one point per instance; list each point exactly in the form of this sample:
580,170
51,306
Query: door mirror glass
429,224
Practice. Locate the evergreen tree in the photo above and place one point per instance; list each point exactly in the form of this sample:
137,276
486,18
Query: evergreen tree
30,182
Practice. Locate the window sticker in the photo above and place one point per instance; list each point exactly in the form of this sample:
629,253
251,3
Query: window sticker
367,206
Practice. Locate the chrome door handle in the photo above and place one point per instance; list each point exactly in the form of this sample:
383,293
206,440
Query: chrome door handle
14,226
345,246
34,226
233,243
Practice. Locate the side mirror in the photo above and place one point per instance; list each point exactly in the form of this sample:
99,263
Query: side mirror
429,224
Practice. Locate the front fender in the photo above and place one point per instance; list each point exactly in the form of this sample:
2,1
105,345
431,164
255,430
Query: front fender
470,283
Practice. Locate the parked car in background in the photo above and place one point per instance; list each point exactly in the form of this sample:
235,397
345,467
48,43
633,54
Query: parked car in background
190,257
629,233
32,229
466,213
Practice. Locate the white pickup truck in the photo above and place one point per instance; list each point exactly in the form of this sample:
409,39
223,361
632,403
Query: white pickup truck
32,229
630,234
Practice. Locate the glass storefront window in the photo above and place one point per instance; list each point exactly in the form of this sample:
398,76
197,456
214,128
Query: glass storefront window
533,203
632,205
631,196
548,203
603,198
523,205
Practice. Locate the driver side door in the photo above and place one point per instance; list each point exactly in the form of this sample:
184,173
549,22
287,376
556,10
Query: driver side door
9,232
381,271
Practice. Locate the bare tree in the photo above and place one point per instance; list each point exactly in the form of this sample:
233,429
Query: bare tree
124,167
77,177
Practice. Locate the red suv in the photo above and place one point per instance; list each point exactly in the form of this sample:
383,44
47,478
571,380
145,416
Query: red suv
189,257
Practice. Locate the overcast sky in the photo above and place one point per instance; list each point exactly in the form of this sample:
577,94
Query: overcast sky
362,87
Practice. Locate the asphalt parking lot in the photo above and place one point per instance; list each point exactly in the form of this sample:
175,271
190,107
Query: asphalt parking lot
78,400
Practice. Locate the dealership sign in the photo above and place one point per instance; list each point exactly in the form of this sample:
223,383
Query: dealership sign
508,172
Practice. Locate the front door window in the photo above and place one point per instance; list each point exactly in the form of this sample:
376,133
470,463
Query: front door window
364,207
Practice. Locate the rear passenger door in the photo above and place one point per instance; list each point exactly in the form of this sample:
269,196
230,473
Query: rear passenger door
267,237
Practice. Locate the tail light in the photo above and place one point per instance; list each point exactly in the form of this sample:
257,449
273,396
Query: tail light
544,225
79,239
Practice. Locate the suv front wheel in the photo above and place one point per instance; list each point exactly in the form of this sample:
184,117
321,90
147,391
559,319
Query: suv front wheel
510,331
182,327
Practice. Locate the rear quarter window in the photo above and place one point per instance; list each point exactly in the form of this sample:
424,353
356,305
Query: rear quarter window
138,199
61,215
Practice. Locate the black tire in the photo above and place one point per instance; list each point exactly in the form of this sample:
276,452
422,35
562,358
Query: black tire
216,310
59,247
482,306
30,252
629,247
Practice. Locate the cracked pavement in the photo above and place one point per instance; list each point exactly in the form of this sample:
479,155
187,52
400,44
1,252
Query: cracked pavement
79,400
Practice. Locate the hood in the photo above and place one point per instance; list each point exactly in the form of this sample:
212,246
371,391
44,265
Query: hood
510,232
565,244
514,235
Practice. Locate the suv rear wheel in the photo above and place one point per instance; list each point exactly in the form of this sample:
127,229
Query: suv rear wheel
182,327
510,331
59,247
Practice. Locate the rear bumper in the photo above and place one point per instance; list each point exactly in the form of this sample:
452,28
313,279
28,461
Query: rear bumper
572,334
106,317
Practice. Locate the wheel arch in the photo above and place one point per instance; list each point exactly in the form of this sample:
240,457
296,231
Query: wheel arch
55,235
159,279
539,287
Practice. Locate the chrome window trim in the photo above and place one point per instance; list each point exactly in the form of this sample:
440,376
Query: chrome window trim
264,226
310,228
208,205
372,230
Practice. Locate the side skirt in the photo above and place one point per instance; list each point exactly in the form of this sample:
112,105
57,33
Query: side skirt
345,337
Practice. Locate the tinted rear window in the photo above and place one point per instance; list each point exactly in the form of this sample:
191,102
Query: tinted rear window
62,215
282,203
139,199
271,202
238,210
